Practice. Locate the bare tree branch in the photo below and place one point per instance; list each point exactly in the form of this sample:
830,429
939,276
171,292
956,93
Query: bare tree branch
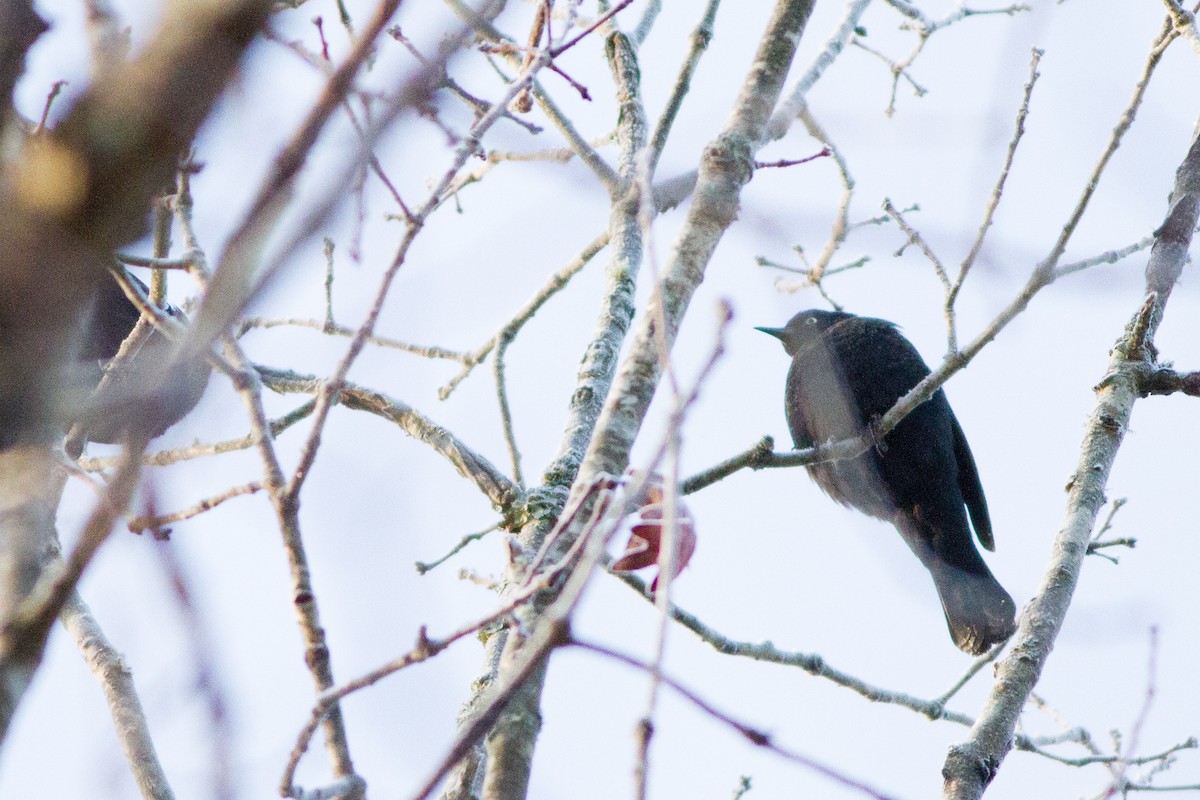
129,721
504,495
971,765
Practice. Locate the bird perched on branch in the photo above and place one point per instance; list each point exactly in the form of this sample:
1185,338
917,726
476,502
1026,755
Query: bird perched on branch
148,393
846,372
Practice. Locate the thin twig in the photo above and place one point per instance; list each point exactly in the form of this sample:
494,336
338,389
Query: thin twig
287,514
933,709
793,162
329,324
558,51
235,281
811,663
330,389
506,422
427,351
998,190
173,456
1108,257
697,45
425,566
814,275
1164,39
55,89
1116,394
755,736
143,522
987,658
552,286
1131,743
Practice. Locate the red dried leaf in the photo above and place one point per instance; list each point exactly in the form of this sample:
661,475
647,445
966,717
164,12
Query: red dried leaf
646,534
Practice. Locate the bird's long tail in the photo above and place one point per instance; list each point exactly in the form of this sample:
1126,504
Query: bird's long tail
978,610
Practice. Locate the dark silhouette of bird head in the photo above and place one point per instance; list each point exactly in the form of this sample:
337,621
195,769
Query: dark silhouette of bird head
805,329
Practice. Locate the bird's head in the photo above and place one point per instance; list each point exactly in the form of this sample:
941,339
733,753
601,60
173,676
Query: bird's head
805,328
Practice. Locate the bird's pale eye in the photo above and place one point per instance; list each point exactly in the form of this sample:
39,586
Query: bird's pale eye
810,321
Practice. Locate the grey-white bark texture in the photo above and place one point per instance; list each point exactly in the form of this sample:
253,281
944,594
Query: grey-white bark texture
970,766
727,167
116,679
508,753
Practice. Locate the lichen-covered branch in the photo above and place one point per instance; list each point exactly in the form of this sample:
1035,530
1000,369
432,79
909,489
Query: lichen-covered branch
726,167
510,745
971,765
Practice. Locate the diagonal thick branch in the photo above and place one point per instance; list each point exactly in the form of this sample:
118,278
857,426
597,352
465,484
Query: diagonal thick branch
726,167
728,164
971,765
504,495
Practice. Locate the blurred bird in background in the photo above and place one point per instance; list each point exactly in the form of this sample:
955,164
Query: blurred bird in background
146,393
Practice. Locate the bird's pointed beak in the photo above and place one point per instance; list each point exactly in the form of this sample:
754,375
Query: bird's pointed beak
778,333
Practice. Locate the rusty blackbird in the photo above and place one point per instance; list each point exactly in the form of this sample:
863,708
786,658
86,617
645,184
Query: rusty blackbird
144,398
846,372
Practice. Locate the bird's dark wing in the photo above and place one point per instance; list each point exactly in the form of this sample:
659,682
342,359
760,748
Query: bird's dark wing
972,489
878,363
112,318
149,393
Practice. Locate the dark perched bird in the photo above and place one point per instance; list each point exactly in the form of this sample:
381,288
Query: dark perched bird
148,394
846,372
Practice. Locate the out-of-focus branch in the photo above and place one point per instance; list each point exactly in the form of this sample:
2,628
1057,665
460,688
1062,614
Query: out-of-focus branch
20,27
757,737
71,197
28,542
971,765
26,625
230,288
77,193
129,721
